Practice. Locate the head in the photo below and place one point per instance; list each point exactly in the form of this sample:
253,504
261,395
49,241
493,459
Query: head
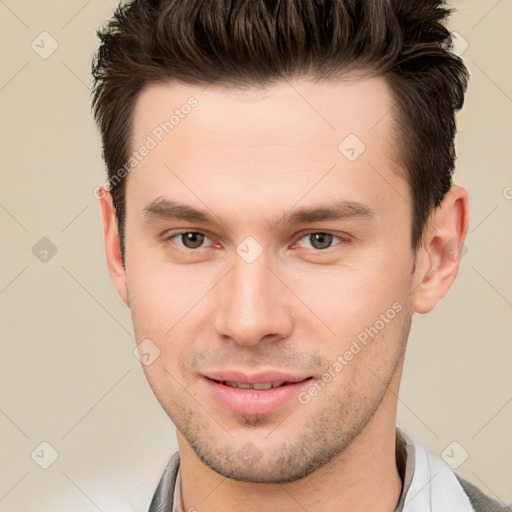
280,197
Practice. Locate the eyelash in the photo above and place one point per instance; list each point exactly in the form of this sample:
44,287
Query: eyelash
343,239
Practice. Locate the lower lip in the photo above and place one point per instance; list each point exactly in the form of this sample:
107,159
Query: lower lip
252,402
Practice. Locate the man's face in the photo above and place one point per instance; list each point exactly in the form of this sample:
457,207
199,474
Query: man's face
249,299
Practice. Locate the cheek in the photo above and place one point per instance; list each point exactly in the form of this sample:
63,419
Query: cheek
161,294
167,306
352,295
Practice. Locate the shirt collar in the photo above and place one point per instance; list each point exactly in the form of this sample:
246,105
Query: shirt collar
428,483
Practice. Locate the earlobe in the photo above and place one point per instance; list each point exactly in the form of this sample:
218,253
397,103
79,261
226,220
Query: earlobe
442,248
111,242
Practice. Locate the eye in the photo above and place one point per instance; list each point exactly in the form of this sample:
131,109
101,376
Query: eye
189,239
320,240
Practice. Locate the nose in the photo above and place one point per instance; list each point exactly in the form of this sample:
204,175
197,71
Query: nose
252,304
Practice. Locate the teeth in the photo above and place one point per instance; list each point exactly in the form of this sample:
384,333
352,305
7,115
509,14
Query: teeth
239,385
263,385
257,386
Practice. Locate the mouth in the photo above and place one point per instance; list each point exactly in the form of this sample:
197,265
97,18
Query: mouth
258,386
256,395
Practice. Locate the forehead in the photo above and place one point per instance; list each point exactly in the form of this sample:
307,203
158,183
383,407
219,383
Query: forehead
288,113
265,146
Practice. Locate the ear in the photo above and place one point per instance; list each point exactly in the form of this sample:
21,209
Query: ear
442,249
111,242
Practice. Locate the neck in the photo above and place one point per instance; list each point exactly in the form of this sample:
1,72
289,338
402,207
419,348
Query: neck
363,477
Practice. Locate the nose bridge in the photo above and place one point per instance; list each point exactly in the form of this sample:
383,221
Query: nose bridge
252,303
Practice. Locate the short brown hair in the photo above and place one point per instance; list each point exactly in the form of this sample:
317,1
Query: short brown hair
254,43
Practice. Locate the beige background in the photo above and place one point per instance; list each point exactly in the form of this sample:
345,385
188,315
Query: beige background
68,375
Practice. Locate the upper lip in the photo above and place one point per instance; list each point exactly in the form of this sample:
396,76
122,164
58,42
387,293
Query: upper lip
255,378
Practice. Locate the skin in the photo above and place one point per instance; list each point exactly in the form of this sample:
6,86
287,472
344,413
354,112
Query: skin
248,157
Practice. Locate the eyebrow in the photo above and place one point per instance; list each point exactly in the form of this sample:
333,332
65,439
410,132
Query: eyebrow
169,209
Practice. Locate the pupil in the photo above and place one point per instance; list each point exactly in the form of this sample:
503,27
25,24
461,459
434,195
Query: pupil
192,240
324,240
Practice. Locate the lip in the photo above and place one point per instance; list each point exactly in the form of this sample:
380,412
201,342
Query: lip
250,402
255,378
